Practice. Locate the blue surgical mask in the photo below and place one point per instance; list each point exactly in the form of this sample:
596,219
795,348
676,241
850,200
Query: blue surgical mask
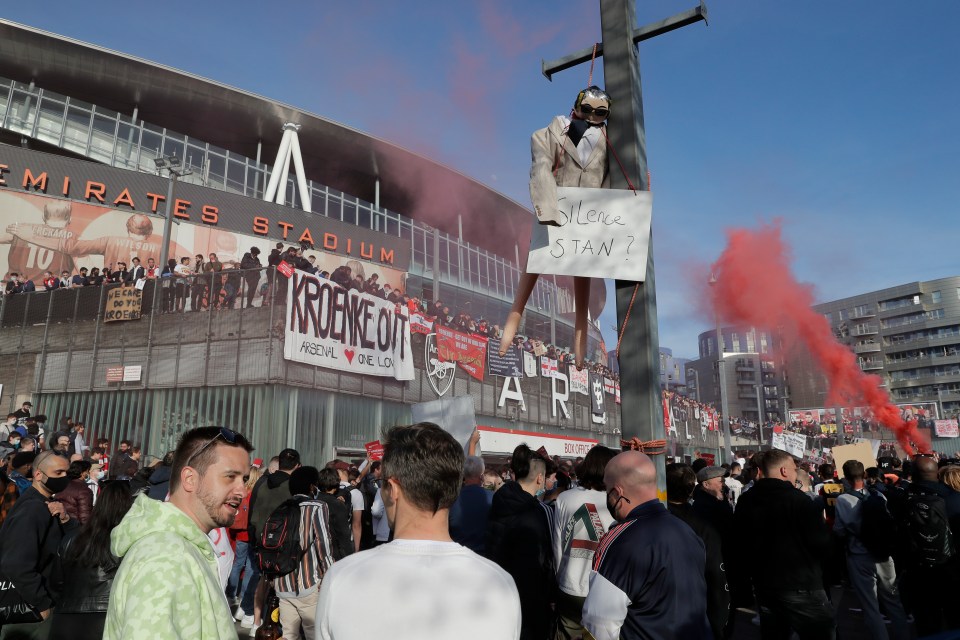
540,492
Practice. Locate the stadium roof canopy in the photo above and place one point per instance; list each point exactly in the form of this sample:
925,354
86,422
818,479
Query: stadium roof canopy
336,155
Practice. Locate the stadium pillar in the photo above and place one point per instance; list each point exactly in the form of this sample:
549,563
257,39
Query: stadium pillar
641,407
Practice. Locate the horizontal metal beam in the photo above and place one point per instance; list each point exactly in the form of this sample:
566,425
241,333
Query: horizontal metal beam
643,33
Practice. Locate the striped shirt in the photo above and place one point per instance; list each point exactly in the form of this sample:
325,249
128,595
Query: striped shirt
315,539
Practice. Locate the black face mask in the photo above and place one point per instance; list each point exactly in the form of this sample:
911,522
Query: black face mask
56,485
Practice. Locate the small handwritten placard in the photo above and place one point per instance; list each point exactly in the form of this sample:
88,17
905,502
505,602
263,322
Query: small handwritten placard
604,233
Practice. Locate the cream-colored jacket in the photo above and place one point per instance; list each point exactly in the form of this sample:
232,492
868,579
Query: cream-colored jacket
556,163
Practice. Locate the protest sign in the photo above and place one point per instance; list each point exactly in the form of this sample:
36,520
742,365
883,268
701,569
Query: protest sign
861,451
579,380
603,233
329,326
454,415
529,365
374,450
123,303
793,443
946,428
509,365
468,351
285,268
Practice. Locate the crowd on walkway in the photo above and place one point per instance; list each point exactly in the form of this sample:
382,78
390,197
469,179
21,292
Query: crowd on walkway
429,543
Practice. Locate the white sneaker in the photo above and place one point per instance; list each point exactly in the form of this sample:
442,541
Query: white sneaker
246,622
238,615
253,631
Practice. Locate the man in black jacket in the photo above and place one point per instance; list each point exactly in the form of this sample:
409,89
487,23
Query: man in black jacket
29,540
681,481
780,541
340,513
519,540
250,263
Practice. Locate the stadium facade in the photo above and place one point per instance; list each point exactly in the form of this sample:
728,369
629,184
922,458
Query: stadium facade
82,130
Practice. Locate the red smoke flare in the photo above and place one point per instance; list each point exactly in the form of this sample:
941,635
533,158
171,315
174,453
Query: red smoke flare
755,288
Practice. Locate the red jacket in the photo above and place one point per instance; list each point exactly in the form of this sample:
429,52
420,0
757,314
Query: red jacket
77,500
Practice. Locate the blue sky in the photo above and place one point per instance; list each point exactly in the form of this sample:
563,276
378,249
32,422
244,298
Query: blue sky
837,118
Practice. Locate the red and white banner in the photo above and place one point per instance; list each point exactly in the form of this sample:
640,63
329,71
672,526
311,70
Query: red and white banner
666,415
548,367
579,380
468,351
946,428
616,388
420,323
608,386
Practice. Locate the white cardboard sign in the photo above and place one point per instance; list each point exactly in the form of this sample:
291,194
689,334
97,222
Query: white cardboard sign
605,233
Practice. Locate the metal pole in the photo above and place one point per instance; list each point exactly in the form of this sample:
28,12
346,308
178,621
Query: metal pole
167,222
759,416
640,398
724,399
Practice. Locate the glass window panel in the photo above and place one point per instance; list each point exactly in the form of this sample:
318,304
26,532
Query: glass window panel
50,120
102,140
255,181
195,159
235,173
364,217
150,144
216,168
77,130
22,112
349,212
4,98
173,147
127,142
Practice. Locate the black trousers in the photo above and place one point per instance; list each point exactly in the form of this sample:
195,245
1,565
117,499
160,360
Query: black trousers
809,613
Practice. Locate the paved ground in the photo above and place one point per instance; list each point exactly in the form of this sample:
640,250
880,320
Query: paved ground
850,622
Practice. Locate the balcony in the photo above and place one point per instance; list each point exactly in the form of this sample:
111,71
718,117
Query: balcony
865,330
867,347
871,365
863,313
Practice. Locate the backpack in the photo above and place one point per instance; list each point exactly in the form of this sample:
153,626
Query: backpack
279,551
928,530
830,491
878,527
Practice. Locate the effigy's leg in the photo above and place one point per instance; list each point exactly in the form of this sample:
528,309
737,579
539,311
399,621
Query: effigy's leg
524,289
581,296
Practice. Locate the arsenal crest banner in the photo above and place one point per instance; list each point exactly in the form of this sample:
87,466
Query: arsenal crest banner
420,323
329,326
468,351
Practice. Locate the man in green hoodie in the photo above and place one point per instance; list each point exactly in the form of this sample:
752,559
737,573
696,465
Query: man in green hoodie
168,586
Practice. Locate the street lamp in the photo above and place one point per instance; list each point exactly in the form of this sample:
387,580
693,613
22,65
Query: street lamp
724,408
174,171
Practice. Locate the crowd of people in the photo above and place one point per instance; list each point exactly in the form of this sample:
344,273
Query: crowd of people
430,543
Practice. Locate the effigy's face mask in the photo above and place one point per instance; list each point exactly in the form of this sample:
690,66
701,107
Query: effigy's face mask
594,110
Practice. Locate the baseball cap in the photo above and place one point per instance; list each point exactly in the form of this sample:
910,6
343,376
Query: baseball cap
339,465
257,463
709,473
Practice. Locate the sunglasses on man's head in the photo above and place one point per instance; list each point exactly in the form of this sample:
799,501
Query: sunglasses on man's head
229,436
586,109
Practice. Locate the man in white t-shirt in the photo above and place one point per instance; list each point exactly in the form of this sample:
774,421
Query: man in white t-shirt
356,500
580,521
421,585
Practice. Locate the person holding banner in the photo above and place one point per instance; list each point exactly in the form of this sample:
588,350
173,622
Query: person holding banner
569,152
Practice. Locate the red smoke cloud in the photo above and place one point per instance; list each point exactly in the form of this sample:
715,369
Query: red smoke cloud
755,287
